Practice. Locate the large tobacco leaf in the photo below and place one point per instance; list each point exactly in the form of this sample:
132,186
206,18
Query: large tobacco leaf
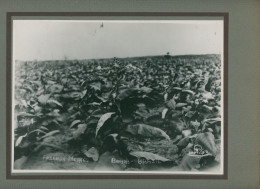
102,120
207,140
147,131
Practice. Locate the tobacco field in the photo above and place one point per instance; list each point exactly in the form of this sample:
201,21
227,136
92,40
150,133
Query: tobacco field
158,113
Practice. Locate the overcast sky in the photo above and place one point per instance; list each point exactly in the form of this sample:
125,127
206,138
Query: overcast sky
56,39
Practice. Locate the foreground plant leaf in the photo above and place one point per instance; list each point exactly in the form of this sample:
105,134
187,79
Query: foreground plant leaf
110,142
183,142
96,86
25,114
164,112
165,96
44,128
91,153
207,141
54,101
177,139
75,122
207,95
38,131
43,99
126,93
146,89
79,131
188,91
147,131
180,105
171,104
212,120
102,120
49,134
75,95
19,140
55,88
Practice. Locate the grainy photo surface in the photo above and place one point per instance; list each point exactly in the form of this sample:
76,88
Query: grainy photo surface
117,96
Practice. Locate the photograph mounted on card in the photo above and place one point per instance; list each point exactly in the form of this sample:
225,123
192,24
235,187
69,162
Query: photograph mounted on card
103,98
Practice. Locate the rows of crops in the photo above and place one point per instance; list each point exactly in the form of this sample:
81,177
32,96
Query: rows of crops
143,113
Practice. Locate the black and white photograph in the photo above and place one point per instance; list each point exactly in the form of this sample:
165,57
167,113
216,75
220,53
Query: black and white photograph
118,96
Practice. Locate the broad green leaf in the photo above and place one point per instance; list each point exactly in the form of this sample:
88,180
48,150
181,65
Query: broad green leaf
50,134
184,142
146,89
186,133
79,131
102,120
54,113
212,120
126,93
44,128
177,139
25,114
55,102
165,96
55,88
147,131
96,86
19,140
95,104
29,89
24,103
188,91
165,110
50,82
75,122
207,141
171,104
43,99
38,131
99,68
72,95
177,88
140,105
207,95
180,105
91,153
